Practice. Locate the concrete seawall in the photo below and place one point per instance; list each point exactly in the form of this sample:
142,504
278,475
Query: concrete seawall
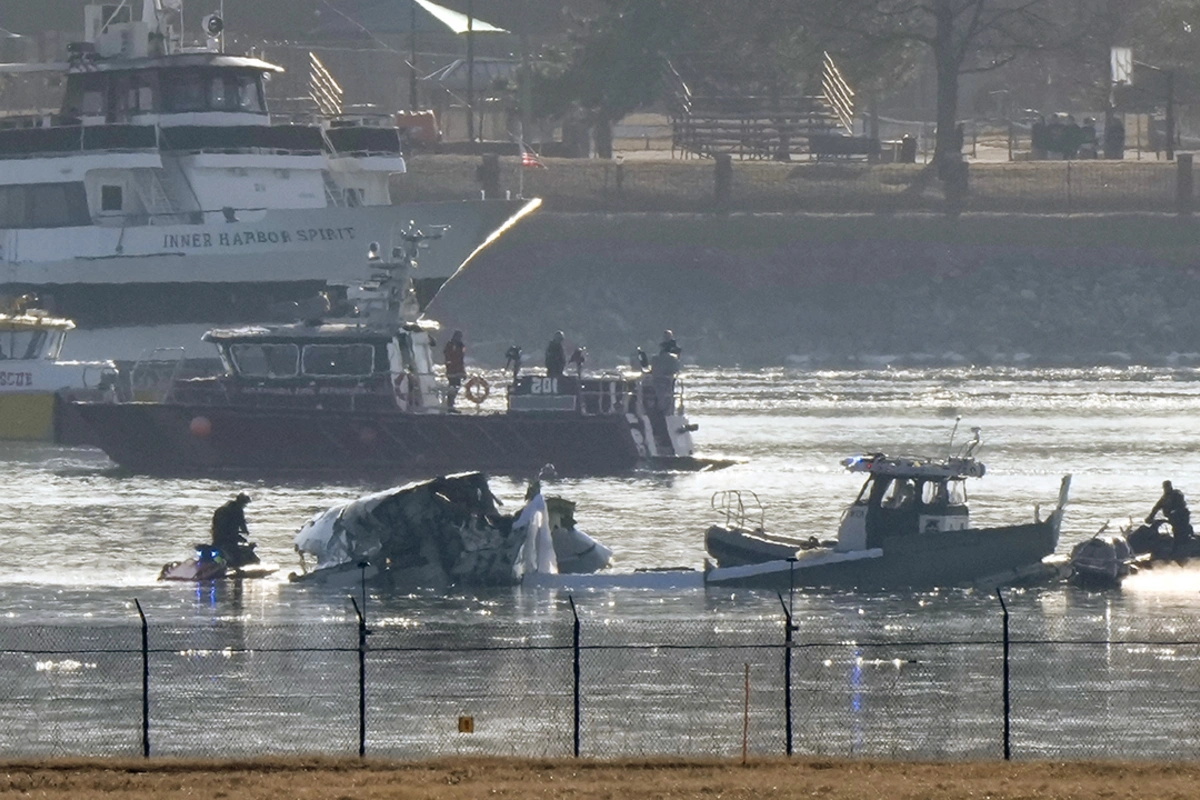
773,289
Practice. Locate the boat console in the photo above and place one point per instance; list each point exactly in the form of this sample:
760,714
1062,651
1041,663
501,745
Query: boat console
906,496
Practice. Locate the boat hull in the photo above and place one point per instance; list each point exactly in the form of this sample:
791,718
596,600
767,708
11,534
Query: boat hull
33,393
950,558
732,548
233,272
172,438
27,416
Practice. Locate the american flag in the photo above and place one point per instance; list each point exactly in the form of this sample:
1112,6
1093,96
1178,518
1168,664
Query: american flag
530,159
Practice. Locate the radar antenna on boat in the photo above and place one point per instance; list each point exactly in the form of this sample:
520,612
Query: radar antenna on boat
413,237
953,431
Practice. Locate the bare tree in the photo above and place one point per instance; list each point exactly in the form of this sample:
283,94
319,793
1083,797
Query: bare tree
963,36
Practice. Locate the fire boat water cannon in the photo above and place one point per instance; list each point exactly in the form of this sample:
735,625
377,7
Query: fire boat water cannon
388,296
915,466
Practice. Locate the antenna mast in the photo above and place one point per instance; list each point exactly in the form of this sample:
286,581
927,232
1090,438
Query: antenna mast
953,431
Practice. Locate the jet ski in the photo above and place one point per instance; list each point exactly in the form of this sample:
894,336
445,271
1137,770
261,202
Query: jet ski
211,564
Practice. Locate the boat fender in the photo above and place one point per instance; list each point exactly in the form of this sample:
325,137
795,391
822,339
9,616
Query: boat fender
476,389
200,427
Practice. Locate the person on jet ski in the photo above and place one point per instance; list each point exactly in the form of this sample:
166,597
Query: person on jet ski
229,532
1174,508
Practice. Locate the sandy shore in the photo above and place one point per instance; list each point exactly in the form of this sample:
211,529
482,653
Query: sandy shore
591,780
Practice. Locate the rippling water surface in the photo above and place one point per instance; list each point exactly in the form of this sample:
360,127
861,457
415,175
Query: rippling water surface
83,539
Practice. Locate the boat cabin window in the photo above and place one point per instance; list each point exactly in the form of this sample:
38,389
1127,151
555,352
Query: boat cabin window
22,344
93,103
216,92
256,360
111,198
339,359
144,88
112,95
212,90
86,94
44,205
184,90
250,94
900,494
943,494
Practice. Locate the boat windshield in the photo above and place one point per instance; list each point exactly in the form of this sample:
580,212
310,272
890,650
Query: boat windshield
942,494
118,95
17,344
899,494
339,359
278,360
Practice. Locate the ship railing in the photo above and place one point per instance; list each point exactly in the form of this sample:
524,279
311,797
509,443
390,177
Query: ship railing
137,219
638,400
181,217
601,395
260,139
610,398
675,406
739,512
31,142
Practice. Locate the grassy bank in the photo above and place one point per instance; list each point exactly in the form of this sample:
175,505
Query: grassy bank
591,780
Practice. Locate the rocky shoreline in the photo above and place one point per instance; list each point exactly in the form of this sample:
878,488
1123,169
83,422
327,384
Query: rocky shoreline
840,290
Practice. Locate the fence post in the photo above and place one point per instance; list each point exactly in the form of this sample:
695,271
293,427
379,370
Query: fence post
723,179
1007,705
576,649
1183,183
1069,197
145,681
362,679
788,630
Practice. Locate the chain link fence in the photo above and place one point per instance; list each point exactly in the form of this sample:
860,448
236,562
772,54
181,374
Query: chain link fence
1047,187
1049,688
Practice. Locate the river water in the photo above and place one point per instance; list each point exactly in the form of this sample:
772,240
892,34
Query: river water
83,540
80,533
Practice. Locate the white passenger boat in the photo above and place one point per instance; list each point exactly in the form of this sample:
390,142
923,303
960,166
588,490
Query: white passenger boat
161,191
34,382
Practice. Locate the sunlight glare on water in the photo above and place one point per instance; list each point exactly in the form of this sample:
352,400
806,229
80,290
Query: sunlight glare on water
82,536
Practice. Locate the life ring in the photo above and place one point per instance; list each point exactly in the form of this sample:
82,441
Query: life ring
476,389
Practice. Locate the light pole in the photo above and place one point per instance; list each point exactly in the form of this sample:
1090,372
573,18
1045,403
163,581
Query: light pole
471,70
413,104
1170,115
